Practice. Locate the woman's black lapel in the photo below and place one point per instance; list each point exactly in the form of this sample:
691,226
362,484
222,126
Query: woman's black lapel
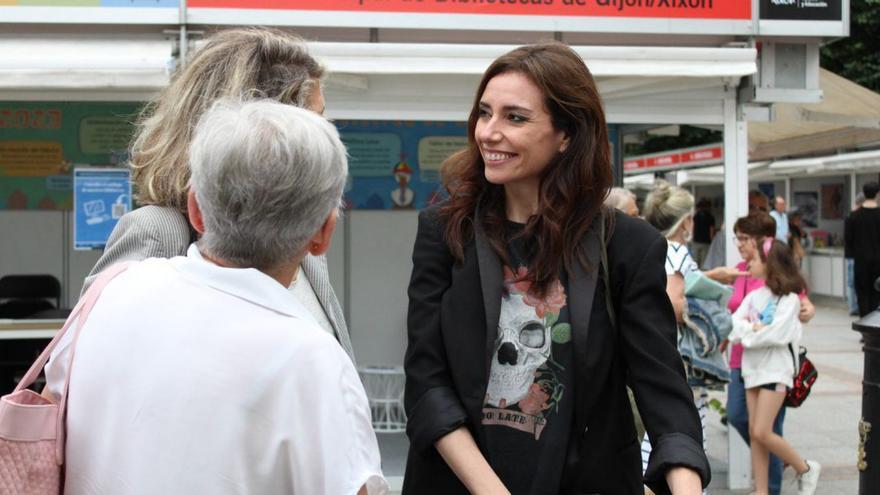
491,283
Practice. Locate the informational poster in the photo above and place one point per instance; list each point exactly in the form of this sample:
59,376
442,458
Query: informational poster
807,203
41,141
801,10
396,164
832,202
100,197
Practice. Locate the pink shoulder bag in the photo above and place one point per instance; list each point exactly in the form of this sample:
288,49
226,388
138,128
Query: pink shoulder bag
32,426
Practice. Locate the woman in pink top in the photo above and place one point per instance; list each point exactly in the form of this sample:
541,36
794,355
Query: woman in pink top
750,231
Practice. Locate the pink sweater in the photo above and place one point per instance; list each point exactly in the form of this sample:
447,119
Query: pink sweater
741,287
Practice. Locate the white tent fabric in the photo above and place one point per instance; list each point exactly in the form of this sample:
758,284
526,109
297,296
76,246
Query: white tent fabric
100,63
84,64
604,61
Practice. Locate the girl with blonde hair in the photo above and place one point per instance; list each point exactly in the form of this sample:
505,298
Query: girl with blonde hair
245,63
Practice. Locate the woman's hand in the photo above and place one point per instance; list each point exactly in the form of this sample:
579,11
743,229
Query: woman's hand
684,481
808,311
757,326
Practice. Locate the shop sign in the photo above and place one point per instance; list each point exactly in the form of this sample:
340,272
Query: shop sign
801,10
662,9
630,16
700,156
100,197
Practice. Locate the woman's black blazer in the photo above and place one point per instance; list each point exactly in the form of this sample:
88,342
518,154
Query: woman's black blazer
452,323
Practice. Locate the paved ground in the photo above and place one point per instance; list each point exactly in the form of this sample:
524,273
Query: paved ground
824,428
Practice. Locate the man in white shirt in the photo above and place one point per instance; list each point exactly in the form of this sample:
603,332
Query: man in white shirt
778,214
200,374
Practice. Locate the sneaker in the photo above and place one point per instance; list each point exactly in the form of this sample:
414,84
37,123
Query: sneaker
808,481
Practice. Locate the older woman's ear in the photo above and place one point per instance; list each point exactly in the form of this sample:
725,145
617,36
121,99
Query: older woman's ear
194,213
320,242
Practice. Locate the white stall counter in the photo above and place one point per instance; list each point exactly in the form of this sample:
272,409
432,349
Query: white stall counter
825,271
29,329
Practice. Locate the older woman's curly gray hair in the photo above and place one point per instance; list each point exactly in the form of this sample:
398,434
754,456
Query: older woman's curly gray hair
266,177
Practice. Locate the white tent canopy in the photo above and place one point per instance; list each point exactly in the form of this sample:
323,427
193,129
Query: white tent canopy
43,66
443,75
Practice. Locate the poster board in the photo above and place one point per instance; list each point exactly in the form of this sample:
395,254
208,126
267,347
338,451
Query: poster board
395,165
100,197
40,142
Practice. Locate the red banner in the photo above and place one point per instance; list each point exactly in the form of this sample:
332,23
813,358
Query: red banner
663,9
705,155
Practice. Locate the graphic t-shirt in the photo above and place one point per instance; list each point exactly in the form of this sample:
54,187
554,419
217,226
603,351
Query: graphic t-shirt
529,404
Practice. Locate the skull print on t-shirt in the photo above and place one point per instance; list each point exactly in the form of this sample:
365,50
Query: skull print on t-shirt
528,406
523,384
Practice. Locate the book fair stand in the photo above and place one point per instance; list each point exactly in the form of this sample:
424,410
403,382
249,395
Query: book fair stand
402,74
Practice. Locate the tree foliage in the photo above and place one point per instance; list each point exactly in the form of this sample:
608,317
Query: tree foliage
857,57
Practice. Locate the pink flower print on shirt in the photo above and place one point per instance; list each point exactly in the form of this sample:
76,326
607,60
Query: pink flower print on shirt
515,282
550,303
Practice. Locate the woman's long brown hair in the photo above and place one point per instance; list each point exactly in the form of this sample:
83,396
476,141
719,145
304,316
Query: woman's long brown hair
572,187
783,275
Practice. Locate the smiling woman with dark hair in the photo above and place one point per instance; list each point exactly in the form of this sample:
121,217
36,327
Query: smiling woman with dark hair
524,329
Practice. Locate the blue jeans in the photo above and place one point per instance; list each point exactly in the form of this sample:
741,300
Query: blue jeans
851,299
738,417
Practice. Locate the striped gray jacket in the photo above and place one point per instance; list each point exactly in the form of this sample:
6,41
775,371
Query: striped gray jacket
162,232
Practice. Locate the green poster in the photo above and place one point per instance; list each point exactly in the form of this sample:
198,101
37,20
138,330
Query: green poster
41,142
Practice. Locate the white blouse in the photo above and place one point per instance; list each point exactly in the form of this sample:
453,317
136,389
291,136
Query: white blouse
193,378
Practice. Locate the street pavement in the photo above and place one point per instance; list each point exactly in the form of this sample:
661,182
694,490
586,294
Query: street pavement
825,427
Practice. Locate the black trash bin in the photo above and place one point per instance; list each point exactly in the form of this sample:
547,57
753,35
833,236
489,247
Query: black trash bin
869,426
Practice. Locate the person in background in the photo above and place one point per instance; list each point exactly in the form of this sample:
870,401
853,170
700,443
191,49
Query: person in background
504,392
749,231
798,239
670,210
862,236
778,214
235,63
851,299
704,230
622,199
222,382
758,202
766,324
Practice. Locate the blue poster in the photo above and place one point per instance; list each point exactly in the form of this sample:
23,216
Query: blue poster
396,164
100,197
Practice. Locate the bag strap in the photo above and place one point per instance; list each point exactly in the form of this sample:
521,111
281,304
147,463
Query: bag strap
794,359
79,314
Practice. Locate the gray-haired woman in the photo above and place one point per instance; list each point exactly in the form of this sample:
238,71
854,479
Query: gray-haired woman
226,385
236,63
